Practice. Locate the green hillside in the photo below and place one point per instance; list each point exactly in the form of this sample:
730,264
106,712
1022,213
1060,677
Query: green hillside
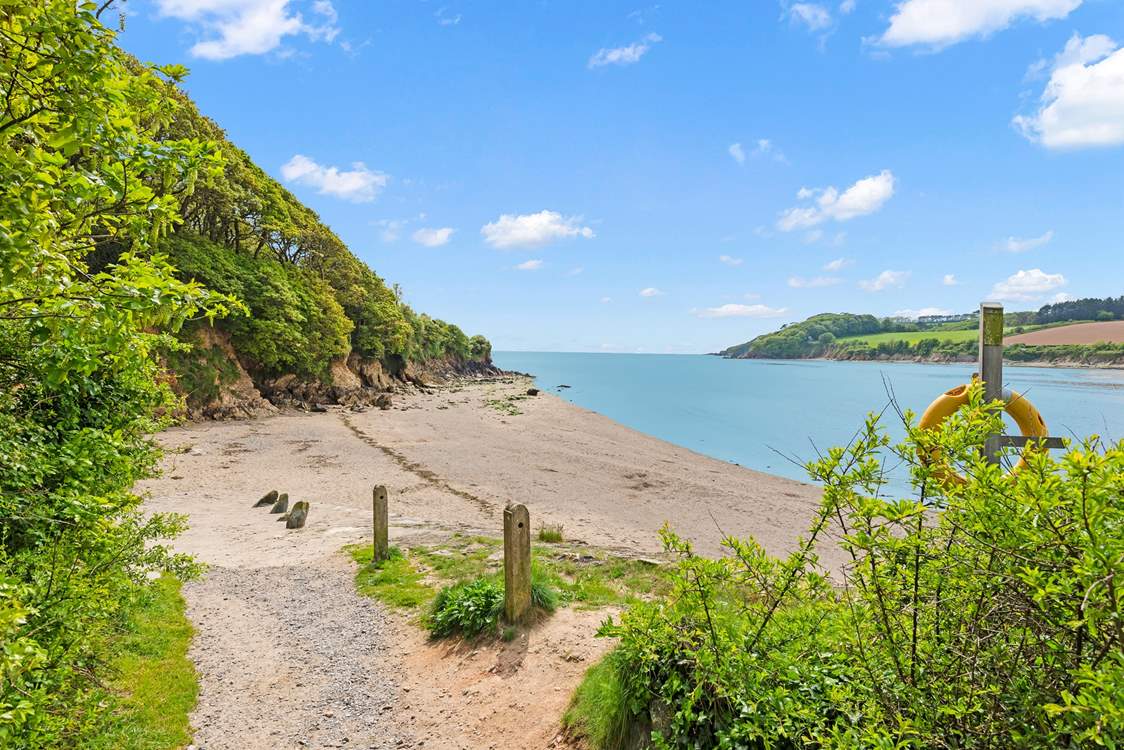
307,299
850,336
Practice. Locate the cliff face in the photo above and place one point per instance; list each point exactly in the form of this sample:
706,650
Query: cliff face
218,384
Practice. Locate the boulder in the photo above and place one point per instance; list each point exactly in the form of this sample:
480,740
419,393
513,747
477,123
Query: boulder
297,516
532,391
268,498
282,504
383,401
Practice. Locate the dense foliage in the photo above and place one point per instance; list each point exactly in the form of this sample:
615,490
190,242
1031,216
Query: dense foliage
90,180
982,614
807,338
943,349
308,298
833,335
1089,308
116,200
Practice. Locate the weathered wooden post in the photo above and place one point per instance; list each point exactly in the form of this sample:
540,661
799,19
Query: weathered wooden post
378,503
991,364
516,563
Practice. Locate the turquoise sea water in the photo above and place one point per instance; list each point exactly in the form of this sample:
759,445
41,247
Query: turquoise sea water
745,411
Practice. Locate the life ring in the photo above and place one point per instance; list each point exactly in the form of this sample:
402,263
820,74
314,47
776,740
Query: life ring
1028,419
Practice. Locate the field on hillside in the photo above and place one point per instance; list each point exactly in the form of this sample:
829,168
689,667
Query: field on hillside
1079,333
913,336
1031,334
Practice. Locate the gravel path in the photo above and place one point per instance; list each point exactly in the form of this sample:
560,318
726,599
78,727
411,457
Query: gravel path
291,657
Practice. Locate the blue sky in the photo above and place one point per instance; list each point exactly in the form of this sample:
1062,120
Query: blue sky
588,176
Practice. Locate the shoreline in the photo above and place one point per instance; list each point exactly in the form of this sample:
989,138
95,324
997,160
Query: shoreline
277,612
1054,365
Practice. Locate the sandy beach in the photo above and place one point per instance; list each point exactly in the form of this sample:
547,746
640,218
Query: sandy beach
290,656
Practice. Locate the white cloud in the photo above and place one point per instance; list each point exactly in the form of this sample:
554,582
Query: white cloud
730,260
838,264
815,17
529,265
741,311
939,23
532,230
885,280
950,279
1026,286
623,55
1021,245
864,197
248,27
813,236
358,184
847,6
606,300
392,228
576,270
444,19
915,314
651,292
1082,105
764,148
1062,297
816,282
432,237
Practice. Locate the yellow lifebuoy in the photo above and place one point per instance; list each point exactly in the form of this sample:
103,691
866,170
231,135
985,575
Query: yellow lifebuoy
1028,419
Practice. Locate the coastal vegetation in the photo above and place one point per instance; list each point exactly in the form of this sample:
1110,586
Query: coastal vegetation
850,336
456,587
128,224
980,613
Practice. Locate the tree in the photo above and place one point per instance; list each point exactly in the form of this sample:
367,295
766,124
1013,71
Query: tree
87,187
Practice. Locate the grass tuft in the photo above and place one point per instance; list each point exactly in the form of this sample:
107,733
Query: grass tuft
551,533
395,581
599,712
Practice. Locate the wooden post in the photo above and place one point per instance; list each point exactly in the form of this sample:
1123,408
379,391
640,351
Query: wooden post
991,364
516,563
378,506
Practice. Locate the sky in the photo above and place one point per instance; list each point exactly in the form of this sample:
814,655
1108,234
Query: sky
682,176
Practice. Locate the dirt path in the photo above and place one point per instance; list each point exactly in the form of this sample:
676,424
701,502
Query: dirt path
289,656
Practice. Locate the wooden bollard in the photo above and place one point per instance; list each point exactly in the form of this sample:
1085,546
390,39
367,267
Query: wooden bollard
516,563
378,506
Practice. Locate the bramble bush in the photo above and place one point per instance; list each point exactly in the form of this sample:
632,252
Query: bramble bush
982,614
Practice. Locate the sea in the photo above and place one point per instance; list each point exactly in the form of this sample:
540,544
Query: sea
775,415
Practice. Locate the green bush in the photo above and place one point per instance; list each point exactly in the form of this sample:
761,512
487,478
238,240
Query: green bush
467,608
982,614
89,181
472,607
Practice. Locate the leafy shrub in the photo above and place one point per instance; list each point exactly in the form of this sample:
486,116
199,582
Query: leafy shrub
467,608
981,614
472,607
